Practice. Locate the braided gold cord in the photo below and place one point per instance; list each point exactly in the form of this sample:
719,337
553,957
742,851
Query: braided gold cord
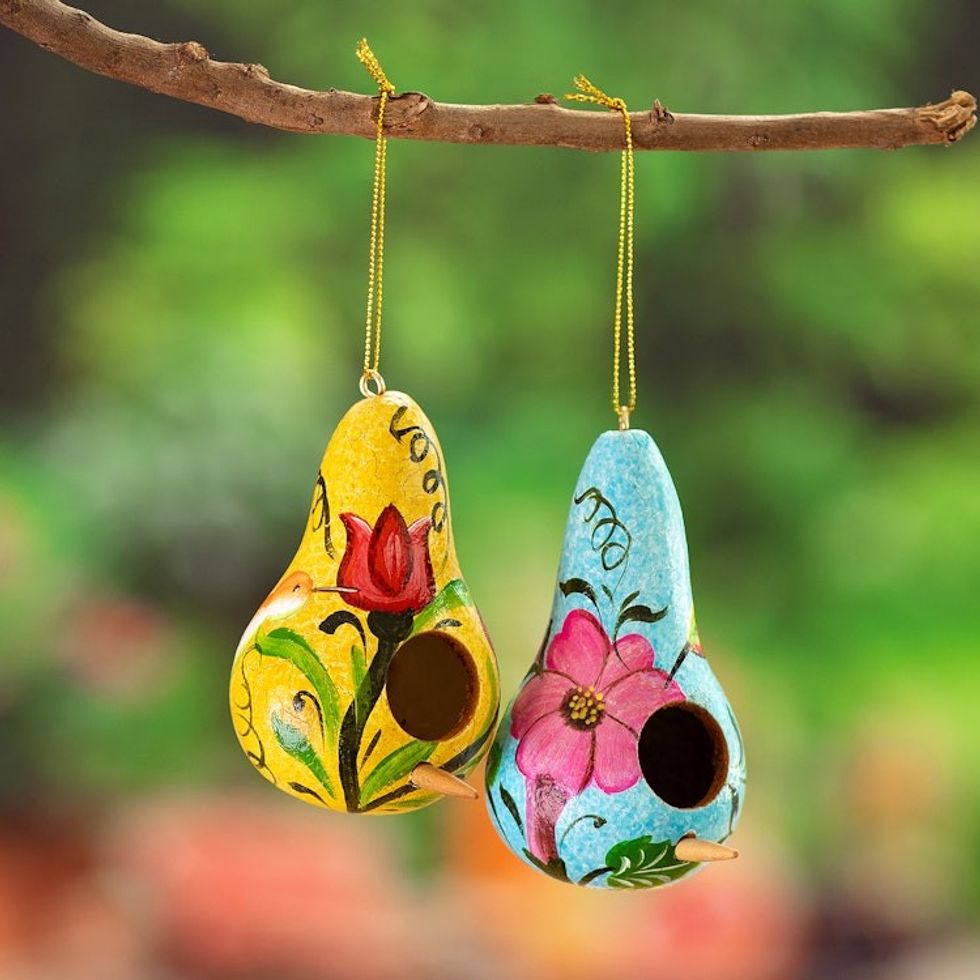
376,253
587,92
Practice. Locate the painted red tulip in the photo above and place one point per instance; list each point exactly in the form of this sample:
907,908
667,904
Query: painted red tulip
388,566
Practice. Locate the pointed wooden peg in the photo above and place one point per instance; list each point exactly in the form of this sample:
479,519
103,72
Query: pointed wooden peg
694,849
434,780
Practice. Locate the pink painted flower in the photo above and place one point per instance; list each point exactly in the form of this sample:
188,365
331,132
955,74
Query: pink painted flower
579,720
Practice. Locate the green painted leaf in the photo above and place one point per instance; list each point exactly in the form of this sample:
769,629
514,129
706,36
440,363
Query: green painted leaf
395,767
295,743
629,599
579,585
451,596
641,863
287,645
493,683
358,665
511,805
640,614
555,868
410,804
493,761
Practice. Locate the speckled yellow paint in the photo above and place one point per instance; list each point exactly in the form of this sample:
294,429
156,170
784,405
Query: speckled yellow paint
384,451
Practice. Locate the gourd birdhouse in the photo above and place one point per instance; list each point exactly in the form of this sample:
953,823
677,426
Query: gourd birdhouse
365,681
619,763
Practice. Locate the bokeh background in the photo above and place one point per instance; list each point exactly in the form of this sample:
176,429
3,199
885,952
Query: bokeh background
182,302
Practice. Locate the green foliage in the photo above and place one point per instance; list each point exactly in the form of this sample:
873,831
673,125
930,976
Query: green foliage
641,863
395,767
451,596
285,644
358,666
295,741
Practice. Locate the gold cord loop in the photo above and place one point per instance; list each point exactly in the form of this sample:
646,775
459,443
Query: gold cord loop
587,92
372,383
376,255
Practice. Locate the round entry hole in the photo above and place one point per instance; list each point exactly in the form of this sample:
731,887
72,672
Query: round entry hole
683,755
431,686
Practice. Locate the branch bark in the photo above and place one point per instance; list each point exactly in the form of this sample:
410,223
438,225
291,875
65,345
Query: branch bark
186,71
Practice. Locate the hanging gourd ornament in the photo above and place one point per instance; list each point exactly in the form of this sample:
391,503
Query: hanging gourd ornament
619,764
366,682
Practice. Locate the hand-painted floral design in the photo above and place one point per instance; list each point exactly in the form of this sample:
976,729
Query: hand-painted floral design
389,565
578,721
311,692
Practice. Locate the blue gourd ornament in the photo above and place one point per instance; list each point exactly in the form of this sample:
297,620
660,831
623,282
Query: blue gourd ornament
619,764
620,743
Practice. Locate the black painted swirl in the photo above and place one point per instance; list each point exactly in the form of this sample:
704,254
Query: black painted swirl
246,714
320,513
420,446
610,536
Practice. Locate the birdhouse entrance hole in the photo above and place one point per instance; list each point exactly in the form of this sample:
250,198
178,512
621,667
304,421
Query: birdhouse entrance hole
683,755
431,686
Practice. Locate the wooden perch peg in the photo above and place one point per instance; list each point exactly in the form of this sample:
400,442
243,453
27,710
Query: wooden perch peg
428,777
186,71
695,849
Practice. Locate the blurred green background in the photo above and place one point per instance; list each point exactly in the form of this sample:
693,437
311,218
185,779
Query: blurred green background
182,301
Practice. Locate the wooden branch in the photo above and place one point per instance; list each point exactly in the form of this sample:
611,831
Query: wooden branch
185,71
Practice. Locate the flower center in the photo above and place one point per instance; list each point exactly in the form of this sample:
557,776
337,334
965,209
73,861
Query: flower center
583,707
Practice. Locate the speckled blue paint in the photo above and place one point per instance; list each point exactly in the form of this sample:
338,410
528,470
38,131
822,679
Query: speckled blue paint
629,471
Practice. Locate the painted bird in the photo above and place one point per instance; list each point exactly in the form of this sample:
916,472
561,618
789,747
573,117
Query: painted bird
288,596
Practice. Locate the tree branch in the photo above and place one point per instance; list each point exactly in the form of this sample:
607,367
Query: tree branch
185,71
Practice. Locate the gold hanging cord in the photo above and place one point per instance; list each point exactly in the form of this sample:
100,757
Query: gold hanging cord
371,381
587,92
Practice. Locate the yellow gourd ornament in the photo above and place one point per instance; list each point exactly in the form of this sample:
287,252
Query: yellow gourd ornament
366,682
